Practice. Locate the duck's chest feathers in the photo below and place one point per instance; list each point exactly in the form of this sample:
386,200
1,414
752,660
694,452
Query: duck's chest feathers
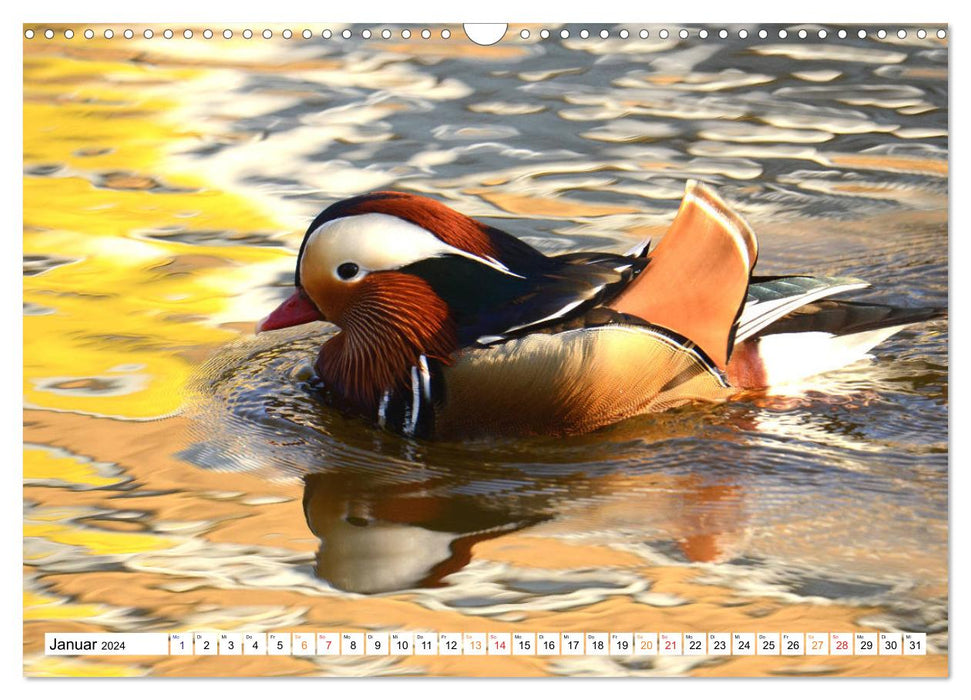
562,383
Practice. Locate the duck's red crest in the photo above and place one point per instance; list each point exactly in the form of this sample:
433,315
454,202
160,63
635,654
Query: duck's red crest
448,225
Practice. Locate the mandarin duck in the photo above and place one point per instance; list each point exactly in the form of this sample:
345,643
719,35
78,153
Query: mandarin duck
452,329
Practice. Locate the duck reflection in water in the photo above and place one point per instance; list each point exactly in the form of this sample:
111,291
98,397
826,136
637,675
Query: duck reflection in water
378,537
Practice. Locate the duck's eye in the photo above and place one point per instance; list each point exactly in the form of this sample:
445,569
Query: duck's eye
347,270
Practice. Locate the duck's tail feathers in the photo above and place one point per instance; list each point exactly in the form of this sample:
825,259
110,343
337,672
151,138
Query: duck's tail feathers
773,298
841,318
817,338
696,280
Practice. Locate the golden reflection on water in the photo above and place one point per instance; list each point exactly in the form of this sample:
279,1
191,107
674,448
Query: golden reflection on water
140,266
127,311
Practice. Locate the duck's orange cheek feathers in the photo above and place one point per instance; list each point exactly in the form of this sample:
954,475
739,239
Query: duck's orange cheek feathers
333,298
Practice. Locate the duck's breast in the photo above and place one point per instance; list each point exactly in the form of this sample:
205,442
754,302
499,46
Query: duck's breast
572,382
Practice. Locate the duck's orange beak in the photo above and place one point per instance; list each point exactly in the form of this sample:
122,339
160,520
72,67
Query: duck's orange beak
295,311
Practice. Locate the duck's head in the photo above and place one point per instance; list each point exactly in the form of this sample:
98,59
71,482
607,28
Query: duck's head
384,267
366,245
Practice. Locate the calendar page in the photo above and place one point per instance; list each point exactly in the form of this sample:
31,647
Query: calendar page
491,350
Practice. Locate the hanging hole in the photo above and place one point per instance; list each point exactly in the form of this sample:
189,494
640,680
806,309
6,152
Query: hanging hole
486,34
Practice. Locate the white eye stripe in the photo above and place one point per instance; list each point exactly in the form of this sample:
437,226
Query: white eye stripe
377,242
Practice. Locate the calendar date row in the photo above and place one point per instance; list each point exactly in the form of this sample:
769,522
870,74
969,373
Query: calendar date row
214,643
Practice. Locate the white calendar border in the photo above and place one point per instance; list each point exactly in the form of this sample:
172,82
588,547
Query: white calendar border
706,11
